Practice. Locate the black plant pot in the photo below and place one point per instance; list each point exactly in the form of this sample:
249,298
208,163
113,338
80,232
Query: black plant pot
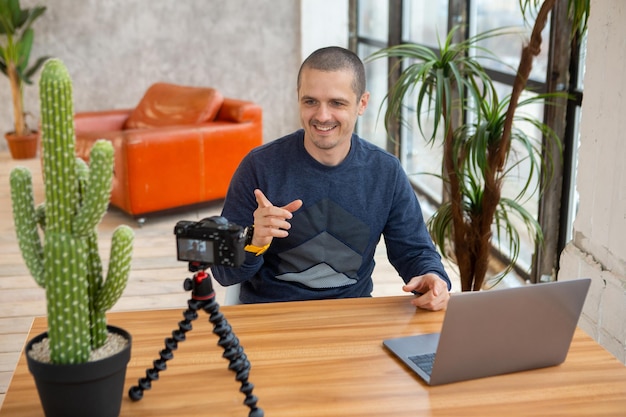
91,389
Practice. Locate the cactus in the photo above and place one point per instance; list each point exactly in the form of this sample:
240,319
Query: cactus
68,264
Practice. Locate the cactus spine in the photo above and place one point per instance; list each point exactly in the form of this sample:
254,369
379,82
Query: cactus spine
68,263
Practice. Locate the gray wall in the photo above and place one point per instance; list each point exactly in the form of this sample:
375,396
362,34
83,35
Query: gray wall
115,49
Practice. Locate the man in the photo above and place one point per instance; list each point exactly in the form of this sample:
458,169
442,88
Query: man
320,198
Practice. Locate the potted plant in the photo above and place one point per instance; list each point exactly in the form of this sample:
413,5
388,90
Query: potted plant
68,264
481,139
17,35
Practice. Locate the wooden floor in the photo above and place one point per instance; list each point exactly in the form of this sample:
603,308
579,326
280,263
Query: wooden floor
155,280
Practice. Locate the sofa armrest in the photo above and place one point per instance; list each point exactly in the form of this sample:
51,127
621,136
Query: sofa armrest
239,111
101,121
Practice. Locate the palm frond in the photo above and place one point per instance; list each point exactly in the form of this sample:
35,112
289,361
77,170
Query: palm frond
440,227
507,233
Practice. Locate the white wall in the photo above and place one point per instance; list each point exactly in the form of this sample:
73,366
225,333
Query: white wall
598,249
323,23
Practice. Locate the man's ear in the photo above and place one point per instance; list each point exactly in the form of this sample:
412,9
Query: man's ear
363,102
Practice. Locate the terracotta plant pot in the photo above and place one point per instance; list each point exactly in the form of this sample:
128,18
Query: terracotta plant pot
23,147
92,389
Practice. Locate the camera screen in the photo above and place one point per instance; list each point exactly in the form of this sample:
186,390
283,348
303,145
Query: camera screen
195,250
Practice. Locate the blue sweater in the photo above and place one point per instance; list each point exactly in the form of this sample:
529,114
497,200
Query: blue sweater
329,252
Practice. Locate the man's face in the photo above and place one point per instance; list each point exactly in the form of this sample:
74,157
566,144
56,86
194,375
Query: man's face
329,108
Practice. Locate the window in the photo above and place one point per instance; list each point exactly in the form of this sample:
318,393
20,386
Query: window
425,22
370,125
381,24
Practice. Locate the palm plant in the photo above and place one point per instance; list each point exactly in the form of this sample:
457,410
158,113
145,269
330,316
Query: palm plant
482,141
15,27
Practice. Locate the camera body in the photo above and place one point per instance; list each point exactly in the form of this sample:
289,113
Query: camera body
210,241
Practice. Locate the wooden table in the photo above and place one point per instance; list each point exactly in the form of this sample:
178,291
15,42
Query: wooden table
325,358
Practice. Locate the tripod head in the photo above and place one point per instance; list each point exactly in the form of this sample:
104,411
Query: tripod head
200,284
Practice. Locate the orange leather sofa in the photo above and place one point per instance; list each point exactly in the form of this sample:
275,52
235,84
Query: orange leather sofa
180,146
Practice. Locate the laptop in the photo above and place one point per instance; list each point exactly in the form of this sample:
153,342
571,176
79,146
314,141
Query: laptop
495,332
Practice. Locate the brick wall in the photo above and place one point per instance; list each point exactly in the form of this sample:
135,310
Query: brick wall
598,249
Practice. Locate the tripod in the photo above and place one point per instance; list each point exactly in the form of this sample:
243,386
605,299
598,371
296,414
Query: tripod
203,297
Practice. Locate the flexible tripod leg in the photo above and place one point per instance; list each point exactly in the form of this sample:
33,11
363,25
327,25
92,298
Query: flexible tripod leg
233,351
171,344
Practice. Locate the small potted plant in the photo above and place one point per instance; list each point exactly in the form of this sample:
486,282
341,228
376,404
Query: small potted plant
16,41
68,264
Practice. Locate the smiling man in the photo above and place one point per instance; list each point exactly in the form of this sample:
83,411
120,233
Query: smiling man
320,199
331,96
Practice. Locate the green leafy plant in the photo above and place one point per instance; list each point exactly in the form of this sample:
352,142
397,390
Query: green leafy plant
481,136
17,38
68,264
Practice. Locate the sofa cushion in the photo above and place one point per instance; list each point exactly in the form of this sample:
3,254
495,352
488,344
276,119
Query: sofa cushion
173,105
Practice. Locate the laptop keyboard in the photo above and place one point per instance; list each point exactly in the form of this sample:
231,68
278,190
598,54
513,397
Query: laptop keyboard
424,362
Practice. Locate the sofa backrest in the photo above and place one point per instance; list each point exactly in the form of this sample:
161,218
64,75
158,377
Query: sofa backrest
166,104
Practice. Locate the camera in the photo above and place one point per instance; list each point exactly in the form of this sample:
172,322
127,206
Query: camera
211,241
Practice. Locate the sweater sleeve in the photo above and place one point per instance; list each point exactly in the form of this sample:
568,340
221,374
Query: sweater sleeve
410,248
239,207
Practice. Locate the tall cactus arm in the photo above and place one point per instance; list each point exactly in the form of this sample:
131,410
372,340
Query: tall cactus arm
25,217
59,160
97,190
117,278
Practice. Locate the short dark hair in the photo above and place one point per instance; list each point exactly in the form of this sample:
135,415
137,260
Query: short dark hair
335,58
